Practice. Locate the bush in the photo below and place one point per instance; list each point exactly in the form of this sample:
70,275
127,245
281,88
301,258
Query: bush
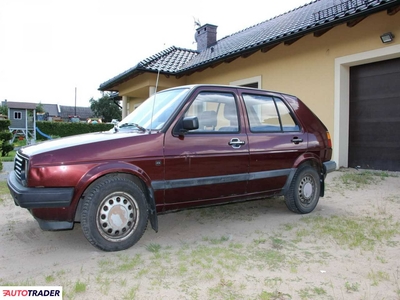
6,148
4,124
5,137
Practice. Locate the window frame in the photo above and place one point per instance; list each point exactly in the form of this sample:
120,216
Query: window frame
15,115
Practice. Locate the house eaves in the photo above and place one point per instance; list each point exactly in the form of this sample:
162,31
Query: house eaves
316,18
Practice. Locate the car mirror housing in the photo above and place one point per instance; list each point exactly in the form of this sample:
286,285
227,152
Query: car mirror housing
190,123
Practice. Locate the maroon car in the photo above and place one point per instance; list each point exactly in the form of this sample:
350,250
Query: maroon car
184,147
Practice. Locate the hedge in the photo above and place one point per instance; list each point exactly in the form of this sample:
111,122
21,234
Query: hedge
61,129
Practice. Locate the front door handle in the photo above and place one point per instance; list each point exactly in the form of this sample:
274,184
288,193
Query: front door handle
296,140
236,143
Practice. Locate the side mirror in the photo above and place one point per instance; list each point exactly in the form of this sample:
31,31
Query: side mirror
189,123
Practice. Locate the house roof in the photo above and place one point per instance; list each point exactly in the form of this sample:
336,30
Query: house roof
20,105
52,109
167,61
315,17
82,112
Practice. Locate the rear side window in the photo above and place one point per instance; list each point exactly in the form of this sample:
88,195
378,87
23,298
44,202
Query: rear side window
216,111
268,114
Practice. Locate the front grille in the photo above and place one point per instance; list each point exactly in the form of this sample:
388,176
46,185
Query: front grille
19,167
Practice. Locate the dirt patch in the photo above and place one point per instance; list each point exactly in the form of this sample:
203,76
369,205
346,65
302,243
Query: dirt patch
348,248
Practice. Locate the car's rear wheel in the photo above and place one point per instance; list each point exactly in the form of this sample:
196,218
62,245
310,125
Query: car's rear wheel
303,194
114,213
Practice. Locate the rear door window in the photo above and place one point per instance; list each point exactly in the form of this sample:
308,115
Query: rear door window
268,114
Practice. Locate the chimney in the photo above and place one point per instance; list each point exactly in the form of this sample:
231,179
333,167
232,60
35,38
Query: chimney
206,36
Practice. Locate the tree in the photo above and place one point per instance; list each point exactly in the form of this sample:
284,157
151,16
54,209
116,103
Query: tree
105,108
39,108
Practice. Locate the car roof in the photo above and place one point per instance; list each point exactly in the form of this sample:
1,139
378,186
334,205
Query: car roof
195,86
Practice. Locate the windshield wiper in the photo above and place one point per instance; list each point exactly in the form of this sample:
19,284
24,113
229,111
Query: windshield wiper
134,125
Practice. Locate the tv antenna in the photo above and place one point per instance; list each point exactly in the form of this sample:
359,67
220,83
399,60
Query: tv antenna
154,100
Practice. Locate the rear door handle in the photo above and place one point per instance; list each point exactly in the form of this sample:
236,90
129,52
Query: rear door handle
296,140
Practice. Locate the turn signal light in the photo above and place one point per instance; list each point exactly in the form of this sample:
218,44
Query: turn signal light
328,136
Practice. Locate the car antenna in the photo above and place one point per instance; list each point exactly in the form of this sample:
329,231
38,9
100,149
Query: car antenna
154,101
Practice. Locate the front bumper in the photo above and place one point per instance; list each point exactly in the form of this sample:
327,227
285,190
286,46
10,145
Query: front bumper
38,197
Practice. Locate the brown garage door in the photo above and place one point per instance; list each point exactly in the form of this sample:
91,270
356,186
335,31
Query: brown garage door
374,134
374,137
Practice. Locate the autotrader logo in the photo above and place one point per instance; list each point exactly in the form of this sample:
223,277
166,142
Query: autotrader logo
30,292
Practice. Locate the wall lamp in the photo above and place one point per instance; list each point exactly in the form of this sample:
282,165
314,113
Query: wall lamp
387,37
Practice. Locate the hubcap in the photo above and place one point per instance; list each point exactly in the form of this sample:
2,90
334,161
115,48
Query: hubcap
306,189
117,216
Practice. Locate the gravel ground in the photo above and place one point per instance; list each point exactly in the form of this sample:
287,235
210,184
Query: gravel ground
348,248
7,168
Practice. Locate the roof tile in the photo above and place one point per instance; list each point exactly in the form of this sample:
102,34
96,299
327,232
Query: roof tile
312,16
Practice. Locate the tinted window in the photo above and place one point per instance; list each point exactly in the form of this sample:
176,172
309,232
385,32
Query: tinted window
268,114
217,112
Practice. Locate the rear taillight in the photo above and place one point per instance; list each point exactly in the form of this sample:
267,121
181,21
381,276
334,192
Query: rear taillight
328,137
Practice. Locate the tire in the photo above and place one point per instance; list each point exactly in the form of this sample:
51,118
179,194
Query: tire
114,213
304,190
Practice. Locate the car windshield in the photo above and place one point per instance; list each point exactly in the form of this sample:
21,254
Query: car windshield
155,111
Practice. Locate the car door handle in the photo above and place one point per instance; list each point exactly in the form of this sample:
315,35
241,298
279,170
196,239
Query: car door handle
296,140
236,143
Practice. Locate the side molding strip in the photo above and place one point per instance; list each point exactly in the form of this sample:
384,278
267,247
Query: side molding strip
178,183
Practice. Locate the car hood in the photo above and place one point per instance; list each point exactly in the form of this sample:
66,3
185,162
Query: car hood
75,140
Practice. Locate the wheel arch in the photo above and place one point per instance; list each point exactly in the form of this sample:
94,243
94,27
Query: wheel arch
128,171
308,159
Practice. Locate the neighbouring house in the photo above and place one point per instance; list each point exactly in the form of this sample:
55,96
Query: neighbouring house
64,113
68,112
23,116
56,112
51,112
341,57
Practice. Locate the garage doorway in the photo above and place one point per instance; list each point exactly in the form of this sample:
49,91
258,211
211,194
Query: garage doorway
374,116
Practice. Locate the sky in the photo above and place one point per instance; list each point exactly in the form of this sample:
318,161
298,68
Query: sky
60,51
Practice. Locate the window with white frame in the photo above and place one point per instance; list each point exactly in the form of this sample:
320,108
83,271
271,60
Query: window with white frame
254,82
17,115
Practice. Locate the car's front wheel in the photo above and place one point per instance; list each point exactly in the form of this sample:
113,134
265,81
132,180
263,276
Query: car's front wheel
114,213
303,194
